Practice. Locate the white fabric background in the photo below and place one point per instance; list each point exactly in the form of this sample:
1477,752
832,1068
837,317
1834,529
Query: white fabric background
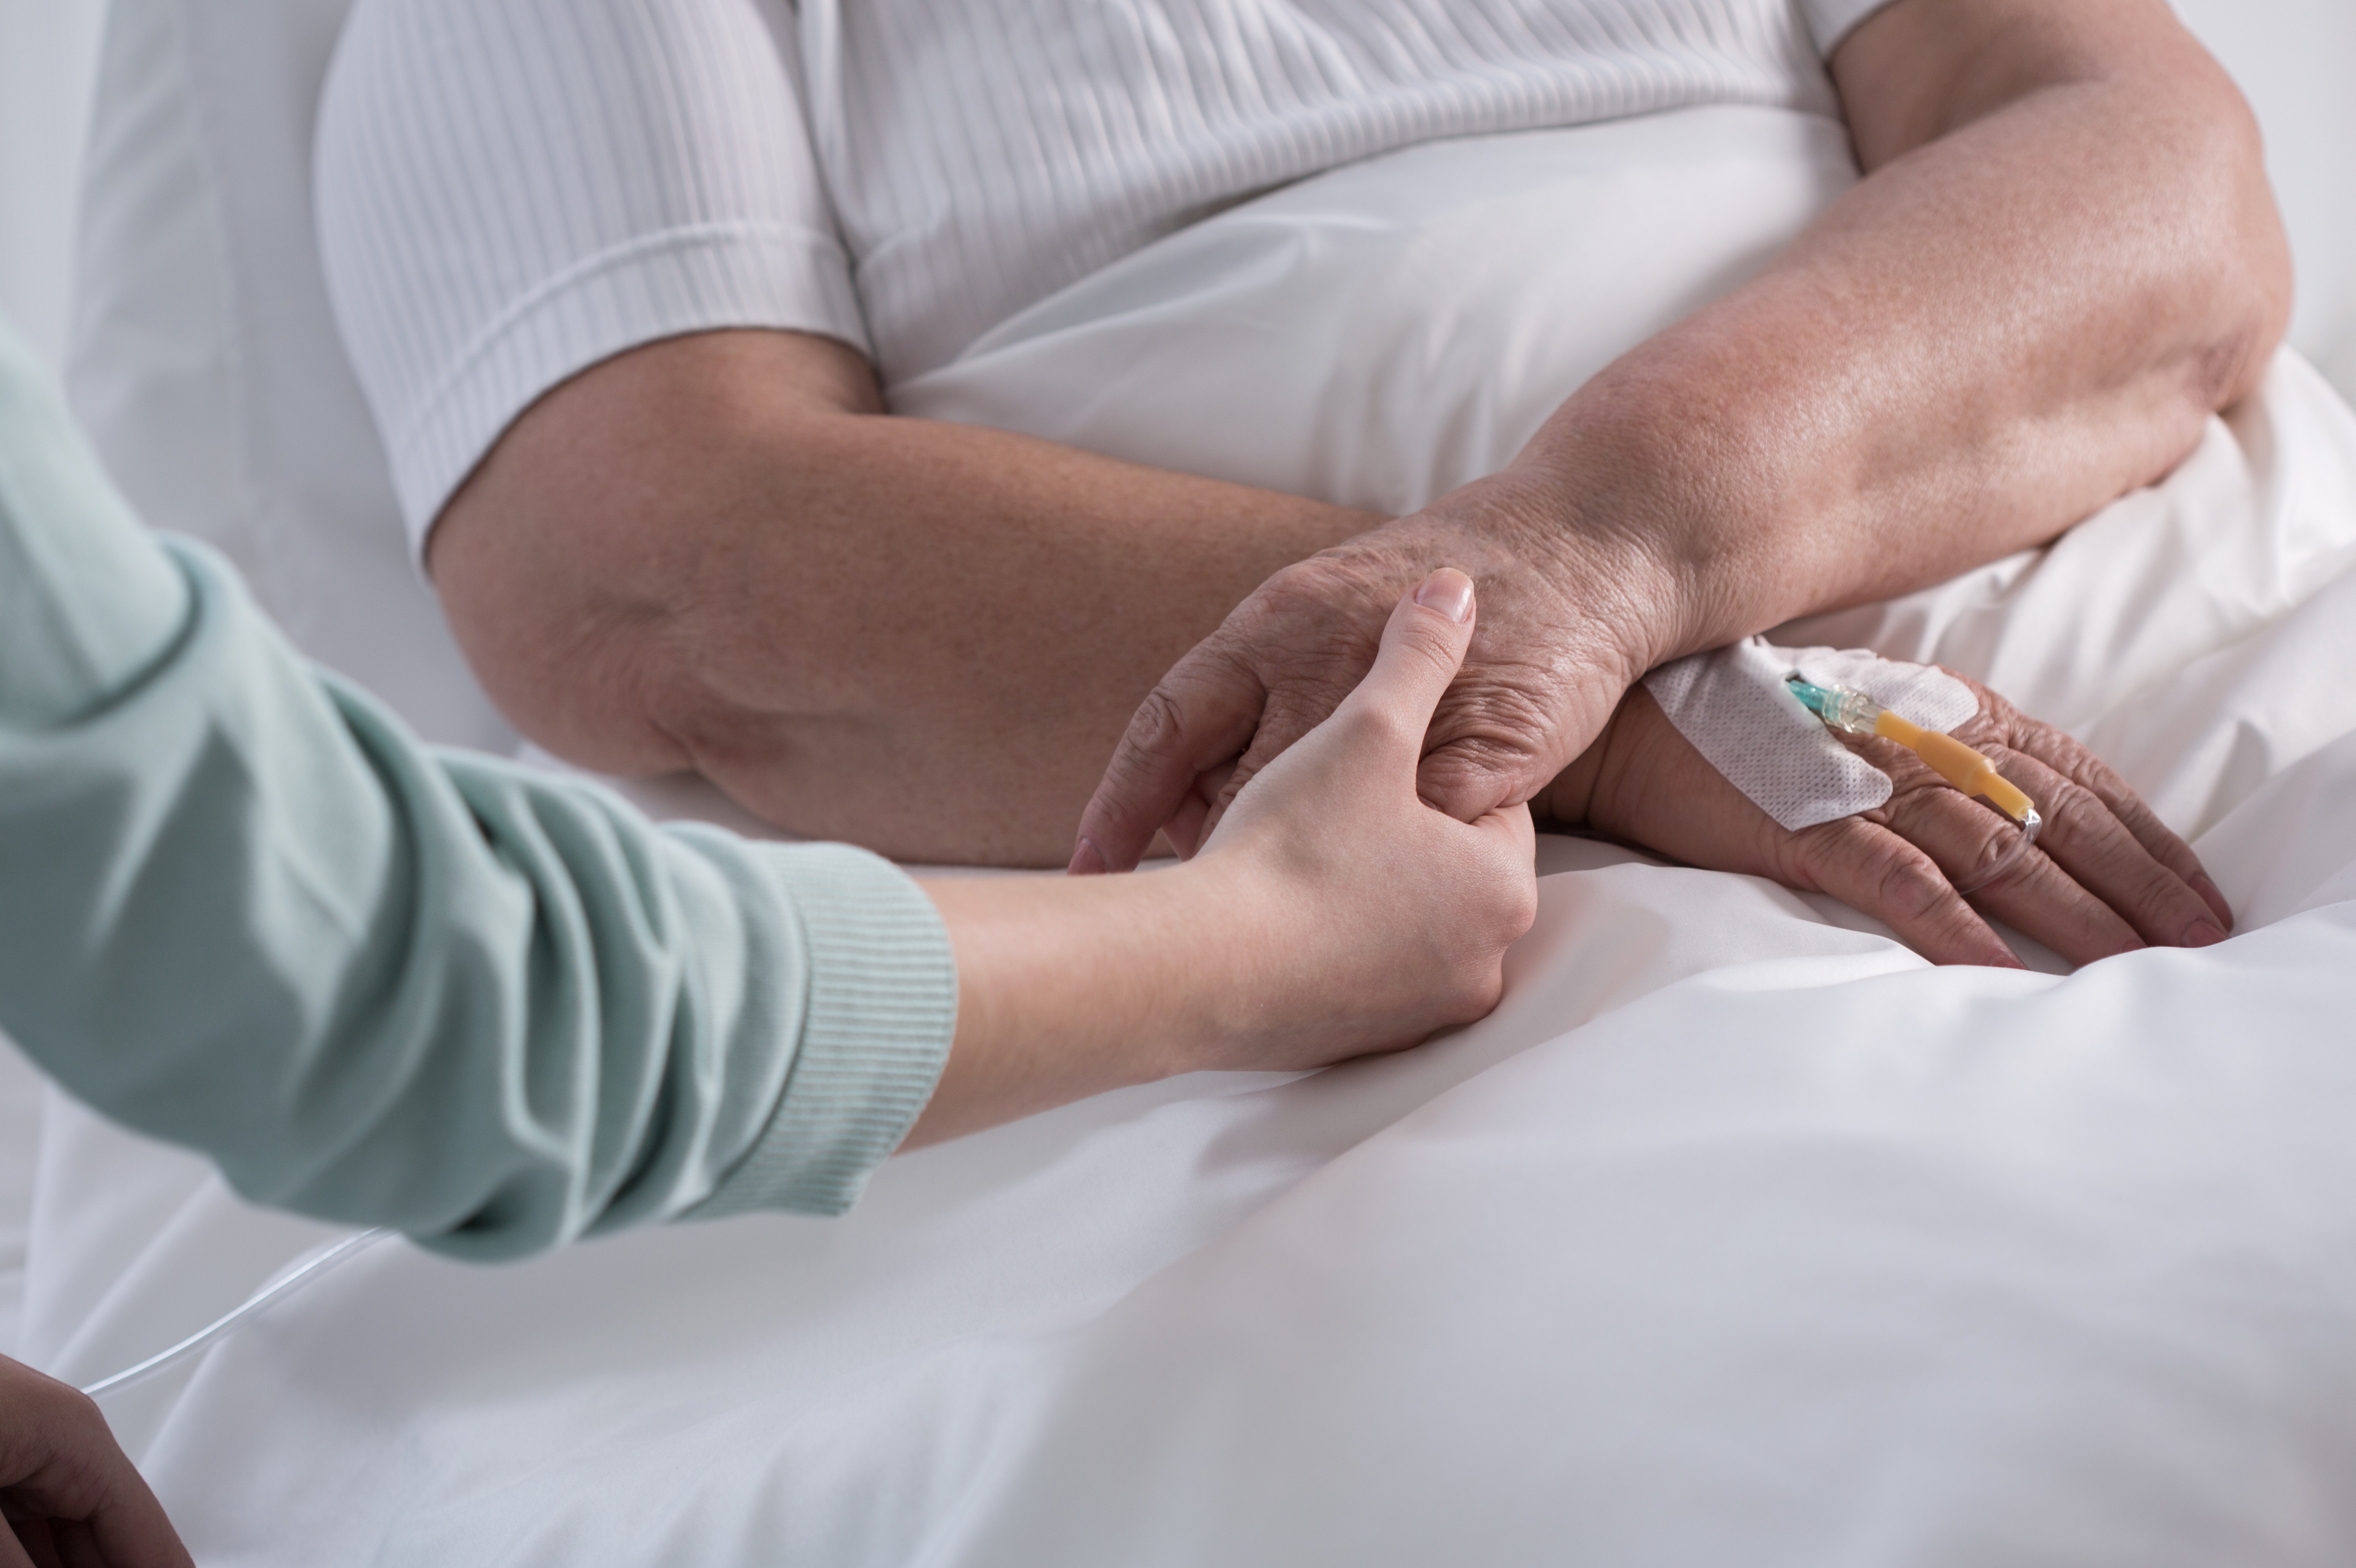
2241,746
202,358
2294,59
1738,1234
48,50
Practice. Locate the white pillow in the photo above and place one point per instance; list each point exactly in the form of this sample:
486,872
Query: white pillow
1555,251
203,359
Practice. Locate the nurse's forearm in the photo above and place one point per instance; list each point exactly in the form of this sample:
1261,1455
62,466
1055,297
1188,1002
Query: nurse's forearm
242,909
1069,987
718,553
2064,257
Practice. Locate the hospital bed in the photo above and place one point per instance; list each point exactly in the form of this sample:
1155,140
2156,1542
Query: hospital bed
1736,1235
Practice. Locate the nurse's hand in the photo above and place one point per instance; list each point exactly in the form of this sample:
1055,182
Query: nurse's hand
71,1495
1331,914
1384,918
2105,876
1569,618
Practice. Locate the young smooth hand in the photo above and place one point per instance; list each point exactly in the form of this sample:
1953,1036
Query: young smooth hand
71,1496
1331,913
2105,876
1400,912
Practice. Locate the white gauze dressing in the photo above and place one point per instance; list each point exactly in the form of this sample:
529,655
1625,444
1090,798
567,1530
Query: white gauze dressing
1732,703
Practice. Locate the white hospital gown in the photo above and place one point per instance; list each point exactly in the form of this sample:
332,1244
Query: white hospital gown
511,190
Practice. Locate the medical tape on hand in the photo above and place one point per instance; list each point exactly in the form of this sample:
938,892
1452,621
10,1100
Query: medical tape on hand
1733,706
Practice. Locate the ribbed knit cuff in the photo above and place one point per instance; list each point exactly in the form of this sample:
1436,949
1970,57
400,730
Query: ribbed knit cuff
657,286
875,1033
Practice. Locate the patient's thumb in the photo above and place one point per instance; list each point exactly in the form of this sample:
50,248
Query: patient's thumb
1422,649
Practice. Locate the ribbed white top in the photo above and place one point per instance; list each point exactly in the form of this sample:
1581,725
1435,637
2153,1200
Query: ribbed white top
510,190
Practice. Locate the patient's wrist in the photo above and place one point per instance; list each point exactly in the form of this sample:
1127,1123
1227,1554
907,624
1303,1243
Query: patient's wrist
1653,477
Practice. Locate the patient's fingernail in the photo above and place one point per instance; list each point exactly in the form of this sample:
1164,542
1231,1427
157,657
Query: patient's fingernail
1088,859
2202,934
2212,896
1449,591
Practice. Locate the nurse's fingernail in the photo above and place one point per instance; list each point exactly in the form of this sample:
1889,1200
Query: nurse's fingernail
1088,859
2202,934
1449,591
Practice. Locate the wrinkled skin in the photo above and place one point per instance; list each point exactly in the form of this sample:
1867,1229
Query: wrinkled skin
1563,632
2105,876
1539,714
1975,346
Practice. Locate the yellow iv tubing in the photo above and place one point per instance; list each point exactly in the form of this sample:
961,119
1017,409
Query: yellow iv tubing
1958,764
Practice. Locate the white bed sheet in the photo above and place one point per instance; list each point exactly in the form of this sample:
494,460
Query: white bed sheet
1737,1234
20,1135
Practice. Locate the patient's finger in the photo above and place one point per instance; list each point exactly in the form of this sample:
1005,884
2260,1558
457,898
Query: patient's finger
1872,869
2070,758
1190,824
2086,838
2035,896
1196,719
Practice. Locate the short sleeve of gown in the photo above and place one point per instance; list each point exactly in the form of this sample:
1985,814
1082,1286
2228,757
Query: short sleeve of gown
1830,21
512,190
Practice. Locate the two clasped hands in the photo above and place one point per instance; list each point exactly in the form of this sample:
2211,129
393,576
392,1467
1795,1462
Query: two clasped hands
1545,711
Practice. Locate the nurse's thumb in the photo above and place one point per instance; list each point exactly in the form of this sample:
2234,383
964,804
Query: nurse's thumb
1422,649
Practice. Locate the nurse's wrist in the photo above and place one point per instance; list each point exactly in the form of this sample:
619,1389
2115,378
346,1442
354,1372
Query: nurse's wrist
1073,987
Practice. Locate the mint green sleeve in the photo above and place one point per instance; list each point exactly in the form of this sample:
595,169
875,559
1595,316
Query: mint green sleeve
243,910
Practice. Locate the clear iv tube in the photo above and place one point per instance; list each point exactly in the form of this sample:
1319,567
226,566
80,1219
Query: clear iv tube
304,1269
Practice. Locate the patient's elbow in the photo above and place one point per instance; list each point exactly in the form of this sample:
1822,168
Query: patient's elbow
630,569
2249,262
588,674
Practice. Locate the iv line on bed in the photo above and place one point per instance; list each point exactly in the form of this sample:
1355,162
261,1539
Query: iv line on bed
303,1270
1857,713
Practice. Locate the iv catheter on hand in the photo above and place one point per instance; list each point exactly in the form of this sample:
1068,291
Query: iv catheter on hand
1854,713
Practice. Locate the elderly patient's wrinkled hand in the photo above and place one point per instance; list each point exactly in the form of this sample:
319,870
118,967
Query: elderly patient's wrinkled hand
2105,876
1568,620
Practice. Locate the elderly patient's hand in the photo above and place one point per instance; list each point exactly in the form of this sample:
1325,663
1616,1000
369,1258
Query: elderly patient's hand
1566,623
71,1495
2104,877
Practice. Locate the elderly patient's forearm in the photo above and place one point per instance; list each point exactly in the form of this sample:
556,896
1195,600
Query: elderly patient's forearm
2065,256
717,553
